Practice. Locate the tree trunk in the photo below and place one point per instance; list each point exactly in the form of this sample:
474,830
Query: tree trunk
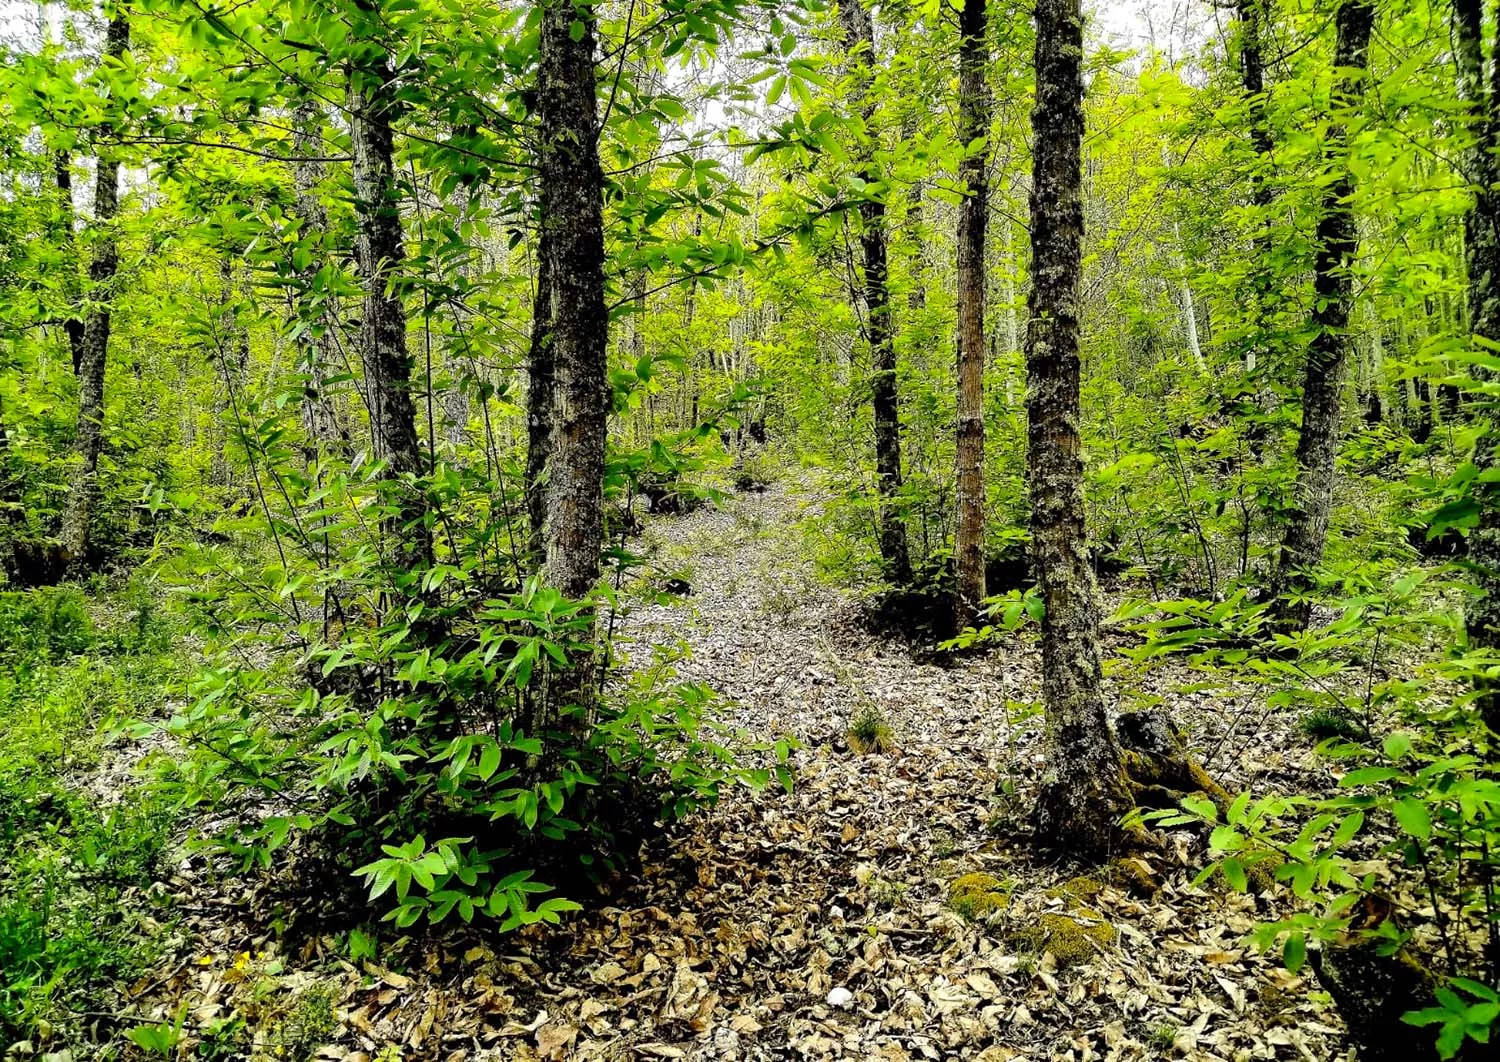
1251,16
1328,354
973,211
859,38
379,250
73,326
1482,259
76,536
1085,790
572,211
539,388
319,358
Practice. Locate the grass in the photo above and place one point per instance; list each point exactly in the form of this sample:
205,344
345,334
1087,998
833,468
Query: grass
869,732
74,863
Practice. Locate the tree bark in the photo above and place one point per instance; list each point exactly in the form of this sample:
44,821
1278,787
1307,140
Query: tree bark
319,359
859,38
379,250
973,211
76,535
540,374
1482,260
1328,354
1251,16
73,326
1085,789
571,189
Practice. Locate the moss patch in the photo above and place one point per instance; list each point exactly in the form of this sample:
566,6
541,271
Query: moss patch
1079,890
978,896
1072,938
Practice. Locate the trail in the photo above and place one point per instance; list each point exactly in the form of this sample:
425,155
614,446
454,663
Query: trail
815,924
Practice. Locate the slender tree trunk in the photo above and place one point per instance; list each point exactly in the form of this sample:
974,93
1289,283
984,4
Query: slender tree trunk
859,38
1328,353
73,326
379,251
1085,789
76,536
572,210
1482,260
973,212
1251,16
319,358
916,224
540,375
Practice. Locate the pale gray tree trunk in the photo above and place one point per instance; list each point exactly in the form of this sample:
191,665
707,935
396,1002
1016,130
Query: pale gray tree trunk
319,357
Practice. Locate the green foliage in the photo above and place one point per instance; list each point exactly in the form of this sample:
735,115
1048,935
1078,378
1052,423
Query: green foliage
869,732
73,868
1412,832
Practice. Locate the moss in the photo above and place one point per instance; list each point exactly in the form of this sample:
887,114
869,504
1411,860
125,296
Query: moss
978,896
1072,938
1079,890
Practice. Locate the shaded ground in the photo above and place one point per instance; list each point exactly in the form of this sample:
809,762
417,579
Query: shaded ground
746,922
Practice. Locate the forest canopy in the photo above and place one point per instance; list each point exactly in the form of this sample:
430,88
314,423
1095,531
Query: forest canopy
769,528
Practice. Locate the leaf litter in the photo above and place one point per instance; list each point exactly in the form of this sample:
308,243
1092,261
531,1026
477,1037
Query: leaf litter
818,924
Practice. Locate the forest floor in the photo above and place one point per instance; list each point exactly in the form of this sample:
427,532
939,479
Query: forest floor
816,924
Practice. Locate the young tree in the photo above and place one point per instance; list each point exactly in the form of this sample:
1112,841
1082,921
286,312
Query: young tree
1337,243
1085,789
379,251
539,395
973,135
576,323
859,38
319,358
1250,16
92,356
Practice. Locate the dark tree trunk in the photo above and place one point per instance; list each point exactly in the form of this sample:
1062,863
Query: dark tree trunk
76,536
379,250
973,125
1482,260
859,38
1085,789
571,189
540,379
73,326
319,357
1328,353
1251,18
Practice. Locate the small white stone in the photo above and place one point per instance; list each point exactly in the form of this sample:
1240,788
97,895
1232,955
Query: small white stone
836,913
841,997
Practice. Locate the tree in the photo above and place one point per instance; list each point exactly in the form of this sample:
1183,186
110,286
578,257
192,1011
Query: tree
1337,243
973,135
1250,16
1482,264
576,323
859,39
379,250
1085,789
92,356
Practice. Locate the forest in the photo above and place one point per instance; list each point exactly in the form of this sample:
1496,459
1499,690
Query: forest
749,529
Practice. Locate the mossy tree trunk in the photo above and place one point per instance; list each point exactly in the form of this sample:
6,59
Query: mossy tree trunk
974,128
1337,243
1085,790
379,251
575,322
